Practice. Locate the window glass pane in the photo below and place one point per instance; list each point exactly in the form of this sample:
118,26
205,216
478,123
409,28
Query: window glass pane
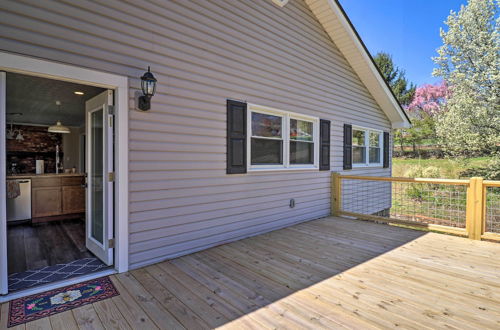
358,155
358,138
266,125
266,152
374,139
301,152
375,155
301,130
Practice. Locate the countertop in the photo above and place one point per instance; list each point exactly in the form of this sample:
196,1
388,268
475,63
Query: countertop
45,175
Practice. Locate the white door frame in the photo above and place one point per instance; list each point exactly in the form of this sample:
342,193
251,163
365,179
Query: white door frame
3,193
48,69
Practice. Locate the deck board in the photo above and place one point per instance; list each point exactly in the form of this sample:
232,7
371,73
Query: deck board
327,273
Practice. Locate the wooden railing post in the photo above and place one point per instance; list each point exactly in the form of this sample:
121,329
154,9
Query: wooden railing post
336,194
475,216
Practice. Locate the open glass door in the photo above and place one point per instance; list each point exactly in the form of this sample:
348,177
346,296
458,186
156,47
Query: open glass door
4,286
99,145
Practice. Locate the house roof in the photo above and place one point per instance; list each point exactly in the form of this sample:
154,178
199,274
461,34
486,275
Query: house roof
334,20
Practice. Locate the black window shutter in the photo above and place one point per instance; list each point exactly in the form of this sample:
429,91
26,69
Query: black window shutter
236,137
386,149
324,145
347,147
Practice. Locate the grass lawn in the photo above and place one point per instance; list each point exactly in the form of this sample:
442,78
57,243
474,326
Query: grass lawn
450,168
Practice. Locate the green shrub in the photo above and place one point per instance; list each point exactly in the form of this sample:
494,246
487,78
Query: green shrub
431,172
418,171
422,191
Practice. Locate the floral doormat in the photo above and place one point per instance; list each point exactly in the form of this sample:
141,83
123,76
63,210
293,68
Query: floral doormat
48,303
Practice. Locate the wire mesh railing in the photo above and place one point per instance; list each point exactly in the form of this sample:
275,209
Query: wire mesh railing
411,201
492,208
465,207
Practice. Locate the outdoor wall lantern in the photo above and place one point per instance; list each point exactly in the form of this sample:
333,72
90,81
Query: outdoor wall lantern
148,85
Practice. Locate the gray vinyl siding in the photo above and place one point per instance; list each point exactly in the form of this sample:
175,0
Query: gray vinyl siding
202,53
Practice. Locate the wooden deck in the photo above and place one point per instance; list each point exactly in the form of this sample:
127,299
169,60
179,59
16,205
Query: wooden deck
328,273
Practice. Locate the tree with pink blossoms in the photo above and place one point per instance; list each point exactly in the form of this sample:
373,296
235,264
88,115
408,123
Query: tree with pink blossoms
428,100
427,104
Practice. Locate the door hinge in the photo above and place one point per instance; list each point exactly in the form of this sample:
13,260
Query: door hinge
111,110
111,243
111,176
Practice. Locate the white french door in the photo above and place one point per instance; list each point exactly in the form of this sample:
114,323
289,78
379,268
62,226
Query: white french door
100,176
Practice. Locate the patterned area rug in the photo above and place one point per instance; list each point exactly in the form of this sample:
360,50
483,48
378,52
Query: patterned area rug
41,305
49,274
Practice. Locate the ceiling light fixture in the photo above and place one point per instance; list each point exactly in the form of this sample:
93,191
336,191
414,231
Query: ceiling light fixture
79,93
58,127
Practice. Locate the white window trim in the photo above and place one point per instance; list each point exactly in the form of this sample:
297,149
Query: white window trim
286,116
367,147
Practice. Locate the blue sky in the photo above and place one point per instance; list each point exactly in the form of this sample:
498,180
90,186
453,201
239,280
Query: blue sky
406,29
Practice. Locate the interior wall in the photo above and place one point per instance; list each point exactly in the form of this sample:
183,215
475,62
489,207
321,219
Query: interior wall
71,148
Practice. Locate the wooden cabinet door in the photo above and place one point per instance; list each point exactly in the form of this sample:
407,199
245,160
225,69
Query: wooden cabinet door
46,201
73,199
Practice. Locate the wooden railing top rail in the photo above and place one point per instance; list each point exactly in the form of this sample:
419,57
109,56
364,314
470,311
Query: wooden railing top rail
417,180
491,183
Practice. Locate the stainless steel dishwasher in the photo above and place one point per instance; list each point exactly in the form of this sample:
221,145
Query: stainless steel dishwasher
19,208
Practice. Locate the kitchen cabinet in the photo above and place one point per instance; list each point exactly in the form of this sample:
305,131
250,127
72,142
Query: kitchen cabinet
45,201
57,195
73,199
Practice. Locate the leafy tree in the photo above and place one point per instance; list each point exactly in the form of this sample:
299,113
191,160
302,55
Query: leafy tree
469,62
395,77
402,89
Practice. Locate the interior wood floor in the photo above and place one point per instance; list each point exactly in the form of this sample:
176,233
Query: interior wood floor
327,273
33,246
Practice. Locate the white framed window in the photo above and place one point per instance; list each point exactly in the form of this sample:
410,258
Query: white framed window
367,147
281,140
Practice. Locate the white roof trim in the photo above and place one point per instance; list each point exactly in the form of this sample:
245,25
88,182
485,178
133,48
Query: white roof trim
337,25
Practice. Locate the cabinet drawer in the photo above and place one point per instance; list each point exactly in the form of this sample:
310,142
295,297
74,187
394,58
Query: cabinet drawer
45,182
73,181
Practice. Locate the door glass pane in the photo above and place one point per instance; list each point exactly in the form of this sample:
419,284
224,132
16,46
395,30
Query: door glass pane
266,125
96,175
301,130
358,155
301,152
266,152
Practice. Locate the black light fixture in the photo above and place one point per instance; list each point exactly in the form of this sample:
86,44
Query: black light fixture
148,85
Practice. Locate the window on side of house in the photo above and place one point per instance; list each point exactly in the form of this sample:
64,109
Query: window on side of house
301,142
366,147
267,139
281,140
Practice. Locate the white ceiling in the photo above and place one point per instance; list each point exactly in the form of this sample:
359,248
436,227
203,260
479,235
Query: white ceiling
36,97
